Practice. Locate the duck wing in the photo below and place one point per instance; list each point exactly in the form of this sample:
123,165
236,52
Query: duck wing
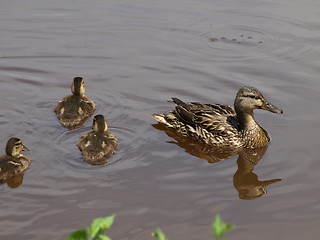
212,123
9,167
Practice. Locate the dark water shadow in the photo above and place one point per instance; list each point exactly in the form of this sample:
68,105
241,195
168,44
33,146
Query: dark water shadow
245,181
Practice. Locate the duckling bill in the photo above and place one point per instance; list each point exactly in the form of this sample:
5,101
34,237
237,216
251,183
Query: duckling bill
72,111
13,163
221,125
99,144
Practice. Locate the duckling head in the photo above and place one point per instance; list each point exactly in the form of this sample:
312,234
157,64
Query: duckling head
250,98
78,86
99,124
14,147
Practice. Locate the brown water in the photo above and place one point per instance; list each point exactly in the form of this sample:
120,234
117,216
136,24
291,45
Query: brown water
134,55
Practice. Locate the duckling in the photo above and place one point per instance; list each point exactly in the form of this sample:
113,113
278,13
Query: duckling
72,111
221,125
13,163
99,143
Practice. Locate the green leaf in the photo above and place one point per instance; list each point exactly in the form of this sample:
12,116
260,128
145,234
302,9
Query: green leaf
159,235
100,225
103,237
219,228
78,235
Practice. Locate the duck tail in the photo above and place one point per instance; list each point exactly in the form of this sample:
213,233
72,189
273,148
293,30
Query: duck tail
160,117
183,111
181,103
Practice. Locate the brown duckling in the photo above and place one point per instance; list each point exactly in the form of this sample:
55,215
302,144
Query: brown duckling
98,144
13,163
72,111
221,125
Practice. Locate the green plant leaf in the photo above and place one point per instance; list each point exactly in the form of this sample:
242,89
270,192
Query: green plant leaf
219,228
78,235
159,235
100,225
103,237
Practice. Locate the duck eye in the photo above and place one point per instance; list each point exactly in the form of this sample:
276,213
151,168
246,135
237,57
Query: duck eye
252,96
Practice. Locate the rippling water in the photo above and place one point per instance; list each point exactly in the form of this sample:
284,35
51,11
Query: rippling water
134,55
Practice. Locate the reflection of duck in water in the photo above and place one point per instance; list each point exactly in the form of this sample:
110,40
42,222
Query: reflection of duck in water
15,181
72,111
221,125
210,153
13,164
244,180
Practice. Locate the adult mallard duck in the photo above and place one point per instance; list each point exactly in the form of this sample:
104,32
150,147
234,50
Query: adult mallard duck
72,111
98,144
221,125
13,163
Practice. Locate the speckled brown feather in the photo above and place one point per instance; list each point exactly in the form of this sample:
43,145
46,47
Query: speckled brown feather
208,123
11,166
71,117
95,146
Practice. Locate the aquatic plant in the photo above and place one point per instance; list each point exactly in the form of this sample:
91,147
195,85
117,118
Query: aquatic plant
100,225
95,231
159,235
219,228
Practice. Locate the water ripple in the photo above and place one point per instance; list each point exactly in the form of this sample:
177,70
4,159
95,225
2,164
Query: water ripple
71,155
258,36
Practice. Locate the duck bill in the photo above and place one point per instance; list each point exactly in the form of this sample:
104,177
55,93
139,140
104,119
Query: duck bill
25,148
269,107
268,182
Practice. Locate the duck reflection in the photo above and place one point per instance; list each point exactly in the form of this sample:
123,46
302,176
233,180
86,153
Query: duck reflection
245,180
14,181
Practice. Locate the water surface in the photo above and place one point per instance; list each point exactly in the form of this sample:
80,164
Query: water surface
134,55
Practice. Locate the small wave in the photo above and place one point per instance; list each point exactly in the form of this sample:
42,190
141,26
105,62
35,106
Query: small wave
258,36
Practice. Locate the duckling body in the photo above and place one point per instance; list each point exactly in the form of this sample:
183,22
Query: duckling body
72,111
13,163
99,143
221,125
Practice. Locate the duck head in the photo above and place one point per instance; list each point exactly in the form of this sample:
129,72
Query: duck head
250,98
14,147
99,124
78,86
